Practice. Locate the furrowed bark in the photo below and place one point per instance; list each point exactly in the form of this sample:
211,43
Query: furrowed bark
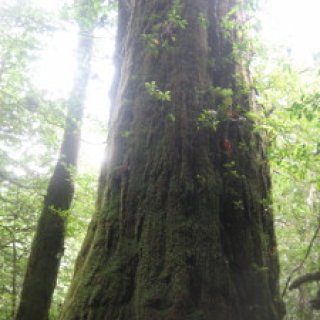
183,228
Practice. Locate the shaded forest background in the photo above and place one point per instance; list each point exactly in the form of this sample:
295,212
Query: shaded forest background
31,128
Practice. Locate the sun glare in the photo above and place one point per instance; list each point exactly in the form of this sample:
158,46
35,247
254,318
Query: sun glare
54,70
294,25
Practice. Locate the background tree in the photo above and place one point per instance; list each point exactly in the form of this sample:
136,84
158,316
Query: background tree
26,119
183,227
48,244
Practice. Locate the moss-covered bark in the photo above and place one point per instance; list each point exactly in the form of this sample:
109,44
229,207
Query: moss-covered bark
183,228
48,243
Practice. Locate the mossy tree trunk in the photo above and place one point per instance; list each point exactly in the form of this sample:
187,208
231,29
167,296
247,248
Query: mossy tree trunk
183,228
48,243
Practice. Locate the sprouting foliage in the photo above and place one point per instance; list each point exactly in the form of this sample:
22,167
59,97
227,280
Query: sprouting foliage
163,34
208,119
125,134
171,117
175,16
224,96
203,20
153,90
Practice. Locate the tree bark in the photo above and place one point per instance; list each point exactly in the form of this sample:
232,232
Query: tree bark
183,227
48,243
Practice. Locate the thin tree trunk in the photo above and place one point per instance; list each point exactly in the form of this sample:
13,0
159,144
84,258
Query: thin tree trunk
183,228
48,243
14,268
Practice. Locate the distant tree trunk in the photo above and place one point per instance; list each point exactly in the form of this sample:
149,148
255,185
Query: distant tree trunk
48,243
183,228
14,267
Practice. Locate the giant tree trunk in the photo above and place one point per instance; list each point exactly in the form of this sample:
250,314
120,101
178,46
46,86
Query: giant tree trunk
183,228
48,243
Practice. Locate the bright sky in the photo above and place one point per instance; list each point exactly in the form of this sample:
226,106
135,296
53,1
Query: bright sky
293,24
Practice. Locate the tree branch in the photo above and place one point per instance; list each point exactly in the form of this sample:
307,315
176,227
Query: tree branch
303,261
309,277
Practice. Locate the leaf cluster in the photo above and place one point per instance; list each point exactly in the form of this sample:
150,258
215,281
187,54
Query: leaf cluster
153,90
